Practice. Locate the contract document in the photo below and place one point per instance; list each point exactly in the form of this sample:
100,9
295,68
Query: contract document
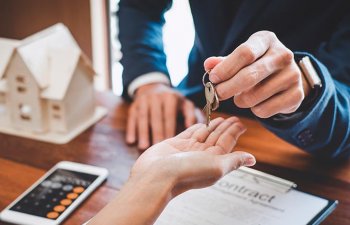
236,200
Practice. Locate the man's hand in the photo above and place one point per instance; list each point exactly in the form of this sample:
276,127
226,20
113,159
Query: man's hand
195,158
261,75
153,113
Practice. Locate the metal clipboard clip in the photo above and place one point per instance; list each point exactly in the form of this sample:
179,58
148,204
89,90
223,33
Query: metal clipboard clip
267,180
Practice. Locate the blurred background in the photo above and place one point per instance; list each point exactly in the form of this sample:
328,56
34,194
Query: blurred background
94,25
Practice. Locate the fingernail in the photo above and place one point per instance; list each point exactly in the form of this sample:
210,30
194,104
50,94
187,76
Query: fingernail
130,140
143,145
249,160
214,78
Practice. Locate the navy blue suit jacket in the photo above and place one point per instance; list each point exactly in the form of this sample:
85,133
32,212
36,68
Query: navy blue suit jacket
318,28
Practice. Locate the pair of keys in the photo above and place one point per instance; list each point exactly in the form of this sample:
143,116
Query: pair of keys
211,97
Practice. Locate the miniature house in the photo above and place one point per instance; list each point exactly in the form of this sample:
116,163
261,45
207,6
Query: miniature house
46,87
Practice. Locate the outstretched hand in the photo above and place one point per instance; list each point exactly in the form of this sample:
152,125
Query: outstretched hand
197,157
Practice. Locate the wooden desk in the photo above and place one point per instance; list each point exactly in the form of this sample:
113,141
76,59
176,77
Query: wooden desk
23,161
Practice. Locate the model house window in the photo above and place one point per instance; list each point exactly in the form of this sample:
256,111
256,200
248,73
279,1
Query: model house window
56,107
56,111
56,116
25,111
21,89
20,79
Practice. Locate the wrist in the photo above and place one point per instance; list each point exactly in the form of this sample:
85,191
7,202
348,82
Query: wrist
150,87
306,86
145,196
148,195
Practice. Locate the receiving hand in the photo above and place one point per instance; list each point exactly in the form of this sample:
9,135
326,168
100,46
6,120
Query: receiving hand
195,158
260,74
153,113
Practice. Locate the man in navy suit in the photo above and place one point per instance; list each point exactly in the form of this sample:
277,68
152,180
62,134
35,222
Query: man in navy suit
252,49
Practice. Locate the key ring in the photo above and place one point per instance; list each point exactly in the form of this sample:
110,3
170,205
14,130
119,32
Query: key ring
204,75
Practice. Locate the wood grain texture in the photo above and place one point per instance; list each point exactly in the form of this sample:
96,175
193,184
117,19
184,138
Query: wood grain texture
23,161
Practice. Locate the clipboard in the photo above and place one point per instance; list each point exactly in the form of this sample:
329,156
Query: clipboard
284,185
266,199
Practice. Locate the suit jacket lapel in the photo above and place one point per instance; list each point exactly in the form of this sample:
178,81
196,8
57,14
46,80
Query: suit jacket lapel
248,11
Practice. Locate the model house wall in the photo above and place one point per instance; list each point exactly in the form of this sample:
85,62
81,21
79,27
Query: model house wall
26,108
46,85
79,104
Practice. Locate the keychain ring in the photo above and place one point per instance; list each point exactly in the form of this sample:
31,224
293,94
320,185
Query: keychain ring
204,75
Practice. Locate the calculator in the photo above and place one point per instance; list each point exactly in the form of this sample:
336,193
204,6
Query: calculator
53,197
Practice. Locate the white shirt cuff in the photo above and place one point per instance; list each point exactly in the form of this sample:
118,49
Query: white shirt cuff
148,78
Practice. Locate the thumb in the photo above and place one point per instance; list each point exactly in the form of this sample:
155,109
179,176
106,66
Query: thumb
234,160
211,62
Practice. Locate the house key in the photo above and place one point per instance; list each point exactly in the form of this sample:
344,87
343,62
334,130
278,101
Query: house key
212,100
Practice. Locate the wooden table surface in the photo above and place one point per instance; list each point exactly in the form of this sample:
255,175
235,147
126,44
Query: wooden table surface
23,161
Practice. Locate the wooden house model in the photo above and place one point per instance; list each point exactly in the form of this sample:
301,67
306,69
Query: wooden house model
46,87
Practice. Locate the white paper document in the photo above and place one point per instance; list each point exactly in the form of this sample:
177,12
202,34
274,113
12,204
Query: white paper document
234,200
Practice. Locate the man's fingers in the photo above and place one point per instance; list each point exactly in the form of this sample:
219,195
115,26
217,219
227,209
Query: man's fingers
276,83
291,100
188,111
234,160
189,131
230,136
215,134
143,124
253,74
245,54
170,104
203,132
157,121
131,125
211,62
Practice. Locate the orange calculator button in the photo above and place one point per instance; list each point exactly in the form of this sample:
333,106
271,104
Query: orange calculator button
78,190
59,208
52,215
66,202
72,195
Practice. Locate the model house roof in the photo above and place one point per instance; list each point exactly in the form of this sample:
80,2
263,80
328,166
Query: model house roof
7,46
52,55
6,49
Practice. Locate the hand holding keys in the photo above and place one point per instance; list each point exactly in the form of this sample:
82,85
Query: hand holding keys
211,97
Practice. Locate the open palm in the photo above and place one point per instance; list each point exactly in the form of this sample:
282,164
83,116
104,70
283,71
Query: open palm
198,156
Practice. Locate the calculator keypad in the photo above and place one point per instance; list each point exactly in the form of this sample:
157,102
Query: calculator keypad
55,194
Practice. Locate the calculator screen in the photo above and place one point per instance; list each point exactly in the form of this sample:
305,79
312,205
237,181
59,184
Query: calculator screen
55,194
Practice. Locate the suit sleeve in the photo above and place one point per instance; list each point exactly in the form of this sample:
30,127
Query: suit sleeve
140,34
324,127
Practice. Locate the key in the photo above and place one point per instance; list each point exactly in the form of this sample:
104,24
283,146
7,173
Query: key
216,102
207,110
210,99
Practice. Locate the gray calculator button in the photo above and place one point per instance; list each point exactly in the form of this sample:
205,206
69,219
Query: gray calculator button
56,185
67,187
46,183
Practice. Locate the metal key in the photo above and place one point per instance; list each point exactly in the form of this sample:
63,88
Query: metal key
211,97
